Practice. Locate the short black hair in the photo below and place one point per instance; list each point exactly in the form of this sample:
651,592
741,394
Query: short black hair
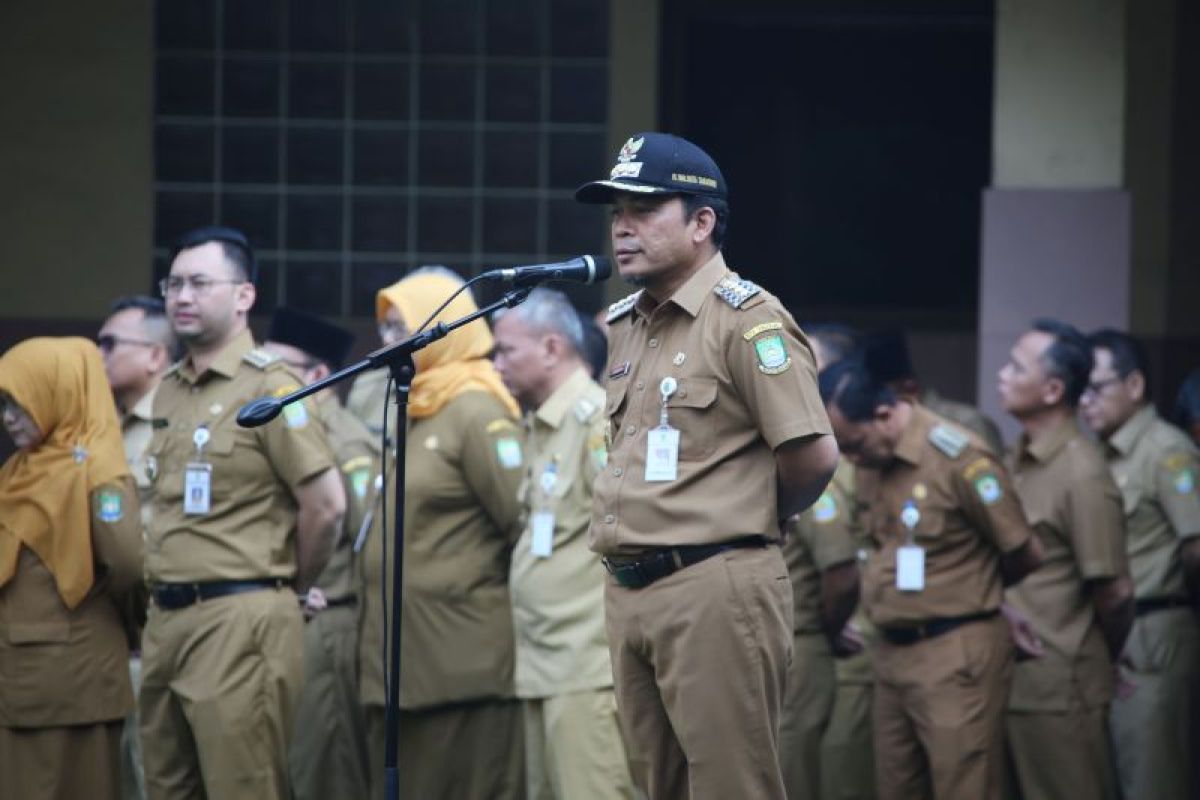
849,386
151,307
1187,402
692,203
1068,357
1128,354
838,340
234,245
154,320
595,345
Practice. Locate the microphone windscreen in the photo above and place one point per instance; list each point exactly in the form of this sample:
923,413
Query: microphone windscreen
259,412
603,268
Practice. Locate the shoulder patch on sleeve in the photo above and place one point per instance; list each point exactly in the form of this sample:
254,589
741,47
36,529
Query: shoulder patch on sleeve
260,358
621,307
508,452
949,441
825,510
358,462
500,426
736,291
1176,461
1182,468
109,507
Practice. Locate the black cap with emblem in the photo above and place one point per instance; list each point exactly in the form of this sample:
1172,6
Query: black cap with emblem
657,163
322,340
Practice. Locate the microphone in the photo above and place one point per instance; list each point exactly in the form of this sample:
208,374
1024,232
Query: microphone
259,412
584,269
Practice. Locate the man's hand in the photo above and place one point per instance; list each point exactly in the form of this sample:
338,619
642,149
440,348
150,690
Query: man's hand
1028,643
849,642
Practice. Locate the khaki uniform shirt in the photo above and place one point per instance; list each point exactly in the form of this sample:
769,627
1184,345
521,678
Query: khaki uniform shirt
461,519
357,454
1073,504
558,599
248,532
1156,468
968,516
966,416
367,399
137,426
746,383
61,666
820,538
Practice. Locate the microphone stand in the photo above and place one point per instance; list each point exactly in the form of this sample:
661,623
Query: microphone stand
398,358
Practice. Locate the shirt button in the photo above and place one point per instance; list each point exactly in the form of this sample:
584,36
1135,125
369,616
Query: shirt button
683,392
618,472
610,519
641,385
653,342
631,430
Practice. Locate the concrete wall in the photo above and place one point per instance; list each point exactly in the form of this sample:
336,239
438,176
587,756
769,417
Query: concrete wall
76,157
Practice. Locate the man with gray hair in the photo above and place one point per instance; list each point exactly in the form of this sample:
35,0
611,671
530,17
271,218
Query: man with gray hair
573,745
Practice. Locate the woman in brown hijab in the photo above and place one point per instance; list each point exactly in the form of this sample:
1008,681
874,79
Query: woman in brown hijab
70,550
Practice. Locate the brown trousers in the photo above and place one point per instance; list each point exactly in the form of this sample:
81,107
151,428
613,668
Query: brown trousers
220,682
1061,755
939,714
847,750
807,707
328,756
573,748
700,661
65,763
466,751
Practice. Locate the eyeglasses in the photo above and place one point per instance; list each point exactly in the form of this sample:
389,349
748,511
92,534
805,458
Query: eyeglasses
199,284
392,329
1095,388
107,342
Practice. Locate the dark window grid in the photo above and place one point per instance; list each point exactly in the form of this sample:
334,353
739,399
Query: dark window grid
543,207
408,60
480,76
347,278
416,126
492,193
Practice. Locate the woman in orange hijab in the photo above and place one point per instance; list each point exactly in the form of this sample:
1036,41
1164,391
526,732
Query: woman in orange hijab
70,549
461,731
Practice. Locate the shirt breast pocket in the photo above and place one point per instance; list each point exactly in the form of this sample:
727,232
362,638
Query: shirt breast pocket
691,412
614,410
227,472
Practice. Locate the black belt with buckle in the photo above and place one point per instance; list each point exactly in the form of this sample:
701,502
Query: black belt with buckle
1148,605
172,596
928,630
641,570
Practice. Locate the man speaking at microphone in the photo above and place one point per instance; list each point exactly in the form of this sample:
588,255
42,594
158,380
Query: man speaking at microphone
716,432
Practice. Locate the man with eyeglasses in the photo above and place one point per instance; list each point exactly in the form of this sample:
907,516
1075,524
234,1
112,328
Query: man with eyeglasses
137,345
328,757
241,519
1156,467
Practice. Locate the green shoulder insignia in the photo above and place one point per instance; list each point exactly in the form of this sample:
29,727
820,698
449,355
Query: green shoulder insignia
736,291
621,307
585,409
948,440
260,358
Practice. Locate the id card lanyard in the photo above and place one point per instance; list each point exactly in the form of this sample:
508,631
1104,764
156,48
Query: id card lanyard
197,477
662,442
541,524
910,557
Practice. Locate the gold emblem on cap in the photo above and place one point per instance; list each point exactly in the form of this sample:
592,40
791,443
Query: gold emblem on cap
629,149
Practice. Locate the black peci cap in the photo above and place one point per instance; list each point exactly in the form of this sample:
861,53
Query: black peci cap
657,163
218,233
322,340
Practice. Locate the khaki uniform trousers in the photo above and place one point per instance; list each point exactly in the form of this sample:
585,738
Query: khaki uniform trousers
376,731
220,682
328,756
807,707
133,782
939,714
1152,729
700,660
847,749
1061,756
466,751
63,763
573,748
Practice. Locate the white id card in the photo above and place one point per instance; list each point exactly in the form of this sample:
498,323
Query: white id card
197,488
910,568
542,529
662,454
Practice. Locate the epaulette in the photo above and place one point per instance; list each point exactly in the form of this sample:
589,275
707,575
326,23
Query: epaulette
736,291
585,409
948,440
621,307
260,358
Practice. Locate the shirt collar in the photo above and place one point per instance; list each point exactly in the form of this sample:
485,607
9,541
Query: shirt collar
912,440
226,363
143,409
694,291
561,399
1125,437
1051,442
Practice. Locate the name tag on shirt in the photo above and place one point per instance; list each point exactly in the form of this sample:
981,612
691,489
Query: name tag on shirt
542,534
662,454
197,488
910,568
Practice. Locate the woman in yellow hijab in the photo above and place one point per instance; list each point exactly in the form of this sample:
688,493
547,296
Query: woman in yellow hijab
461,731
70,550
